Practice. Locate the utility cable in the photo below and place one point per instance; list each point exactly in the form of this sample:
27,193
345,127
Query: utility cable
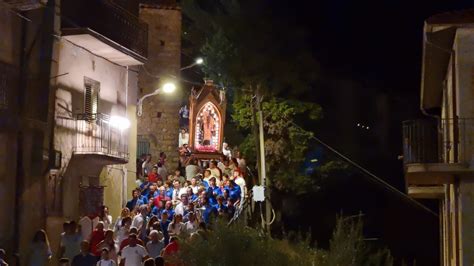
373,177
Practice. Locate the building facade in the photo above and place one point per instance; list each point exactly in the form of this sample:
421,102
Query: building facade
158,127
25,118
96,56
68,93
438,151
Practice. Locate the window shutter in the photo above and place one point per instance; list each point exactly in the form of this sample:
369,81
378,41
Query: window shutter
91,96
88,100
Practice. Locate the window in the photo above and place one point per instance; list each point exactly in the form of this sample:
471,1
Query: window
91,95
143,146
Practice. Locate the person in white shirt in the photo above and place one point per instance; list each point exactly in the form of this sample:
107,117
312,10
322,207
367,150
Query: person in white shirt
139,221
124,229
87,225
125,213
240,181
105,259
176,226
241,162
176,191
194,185
191,225
105,217
133,254
221,163
147,166
191,169
156,244
226,151
215,171
162,171
70,243
183,205
183,138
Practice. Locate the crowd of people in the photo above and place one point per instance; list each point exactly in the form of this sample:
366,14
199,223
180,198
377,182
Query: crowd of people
165,208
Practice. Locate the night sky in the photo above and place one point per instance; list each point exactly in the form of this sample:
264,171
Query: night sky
370,57
370,72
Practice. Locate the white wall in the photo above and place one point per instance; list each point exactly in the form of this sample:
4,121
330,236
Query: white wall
464,78
114,99
79,63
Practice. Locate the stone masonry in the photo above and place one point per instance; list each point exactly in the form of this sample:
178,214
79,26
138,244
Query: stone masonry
159,123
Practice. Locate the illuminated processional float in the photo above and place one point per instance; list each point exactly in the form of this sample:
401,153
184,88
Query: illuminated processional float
206,121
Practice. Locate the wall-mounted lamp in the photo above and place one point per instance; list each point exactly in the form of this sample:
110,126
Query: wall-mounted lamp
167,88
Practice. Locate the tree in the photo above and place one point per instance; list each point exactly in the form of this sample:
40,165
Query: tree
285,143
246,47
245,44
240,245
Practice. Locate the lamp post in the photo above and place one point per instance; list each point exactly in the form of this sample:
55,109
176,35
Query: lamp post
198,61
167,88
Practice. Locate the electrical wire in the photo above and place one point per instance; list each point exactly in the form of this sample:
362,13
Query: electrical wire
263,218
372,176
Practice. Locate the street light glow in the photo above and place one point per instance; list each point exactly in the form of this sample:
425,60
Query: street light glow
119,122
169,87
199,61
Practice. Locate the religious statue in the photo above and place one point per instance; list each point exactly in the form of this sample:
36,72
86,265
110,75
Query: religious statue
207,106
207,125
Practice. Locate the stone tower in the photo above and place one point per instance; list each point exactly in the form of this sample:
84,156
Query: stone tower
158,127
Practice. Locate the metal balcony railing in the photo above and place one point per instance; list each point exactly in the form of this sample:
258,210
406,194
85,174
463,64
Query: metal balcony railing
442,141
108,19
95,135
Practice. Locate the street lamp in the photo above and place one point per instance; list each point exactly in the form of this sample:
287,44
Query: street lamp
198,61
167,88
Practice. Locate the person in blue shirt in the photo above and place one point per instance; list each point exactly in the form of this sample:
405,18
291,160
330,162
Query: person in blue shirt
152,193
230,208
164,223
212,191
136,201
85,258
221,206
157,209
143,199
145,187
169,191
191,196
234,191
207,211
169,209
207,177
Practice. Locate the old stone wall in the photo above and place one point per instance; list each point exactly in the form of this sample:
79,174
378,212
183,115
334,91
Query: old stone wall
159,123
24,125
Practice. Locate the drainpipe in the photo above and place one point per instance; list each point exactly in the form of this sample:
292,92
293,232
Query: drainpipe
124,168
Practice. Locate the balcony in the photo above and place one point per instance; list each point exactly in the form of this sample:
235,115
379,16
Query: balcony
96,138
435,151
106,29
